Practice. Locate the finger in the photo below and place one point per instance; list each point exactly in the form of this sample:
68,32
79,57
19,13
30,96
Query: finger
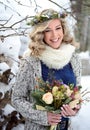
63,112
78,107
54,121
67,111
54,118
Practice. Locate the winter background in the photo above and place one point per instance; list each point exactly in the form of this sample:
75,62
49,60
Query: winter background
11,48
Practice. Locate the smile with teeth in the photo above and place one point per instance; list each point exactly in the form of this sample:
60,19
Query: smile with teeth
55,40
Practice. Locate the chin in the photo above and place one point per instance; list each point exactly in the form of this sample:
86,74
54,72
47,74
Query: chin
56,47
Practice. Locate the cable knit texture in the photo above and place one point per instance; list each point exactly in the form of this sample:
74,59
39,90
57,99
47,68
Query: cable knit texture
25,81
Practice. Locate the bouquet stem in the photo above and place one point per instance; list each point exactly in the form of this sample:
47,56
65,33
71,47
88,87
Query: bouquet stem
53,127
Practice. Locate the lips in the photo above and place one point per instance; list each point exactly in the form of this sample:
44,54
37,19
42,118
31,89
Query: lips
55,40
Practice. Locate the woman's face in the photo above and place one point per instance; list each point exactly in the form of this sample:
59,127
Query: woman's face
53,34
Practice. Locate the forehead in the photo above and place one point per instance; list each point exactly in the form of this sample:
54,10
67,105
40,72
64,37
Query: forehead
54,22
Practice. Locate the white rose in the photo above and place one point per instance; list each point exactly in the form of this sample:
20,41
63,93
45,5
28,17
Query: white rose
47,98
73,103
77,96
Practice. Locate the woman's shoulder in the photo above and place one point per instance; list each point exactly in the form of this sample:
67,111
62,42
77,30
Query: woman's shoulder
77,67
29,60
76,61
28,57
75,57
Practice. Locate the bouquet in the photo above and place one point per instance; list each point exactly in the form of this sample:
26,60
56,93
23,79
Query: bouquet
51,96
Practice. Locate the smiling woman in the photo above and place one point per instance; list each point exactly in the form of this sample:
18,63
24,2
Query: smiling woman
51,55
53,34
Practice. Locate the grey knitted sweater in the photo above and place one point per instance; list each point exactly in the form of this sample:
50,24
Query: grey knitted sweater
21,94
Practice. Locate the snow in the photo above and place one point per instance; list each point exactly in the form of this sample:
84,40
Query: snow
85,55
19,127
11,48
8,109
82,120
3,67
4,89
83,117
79,122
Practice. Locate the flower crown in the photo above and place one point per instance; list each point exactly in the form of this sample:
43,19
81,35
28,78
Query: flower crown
45,16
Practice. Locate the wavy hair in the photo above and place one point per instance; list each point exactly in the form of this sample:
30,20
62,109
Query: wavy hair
37,44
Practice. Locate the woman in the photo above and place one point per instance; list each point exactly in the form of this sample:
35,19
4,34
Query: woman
52,49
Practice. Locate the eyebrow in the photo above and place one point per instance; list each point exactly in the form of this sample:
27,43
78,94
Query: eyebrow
55,27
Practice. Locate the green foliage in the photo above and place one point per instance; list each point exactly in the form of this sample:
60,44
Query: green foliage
51,96
45,16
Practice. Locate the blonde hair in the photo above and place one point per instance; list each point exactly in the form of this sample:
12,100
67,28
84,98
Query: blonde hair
37,45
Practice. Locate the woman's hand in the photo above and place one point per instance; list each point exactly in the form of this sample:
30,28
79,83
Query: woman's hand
67,111
53,119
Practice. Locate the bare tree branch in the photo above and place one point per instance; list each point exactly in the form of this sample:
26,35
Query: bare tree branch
88,5
6,21
10,8
6,25
66,10
57,5
19,3
18,31
36,8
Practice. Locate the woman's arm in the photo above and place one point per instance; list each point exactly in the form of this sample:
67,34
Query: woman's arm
77,67
19,95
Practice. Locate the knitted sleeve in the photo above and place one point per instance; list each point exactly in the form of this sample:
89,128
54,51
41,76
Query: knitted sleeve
24,79
77,67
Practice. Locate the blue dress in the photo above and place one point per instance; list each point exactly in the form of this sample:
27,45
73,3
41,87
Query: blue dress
65,74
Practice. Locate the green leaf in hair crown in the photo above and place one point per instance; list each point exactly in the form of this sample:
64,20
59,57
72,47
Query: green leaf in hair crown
45,16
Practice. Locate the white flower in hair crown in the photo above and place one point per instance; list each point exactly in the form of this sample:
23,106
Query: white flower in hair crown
45,16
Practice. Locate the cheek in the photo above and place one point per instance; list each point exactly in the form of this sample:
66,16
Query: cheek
61,32
62,35
46,37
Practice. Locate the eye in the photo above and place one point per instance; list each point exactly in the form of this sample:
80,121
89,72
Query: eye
58,28
48,30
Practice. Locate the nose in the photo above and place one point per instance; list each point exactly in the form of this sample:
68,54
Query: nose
54,33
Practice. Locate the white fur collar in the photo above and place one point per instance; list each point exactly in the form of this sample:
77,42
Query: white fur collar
57,58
